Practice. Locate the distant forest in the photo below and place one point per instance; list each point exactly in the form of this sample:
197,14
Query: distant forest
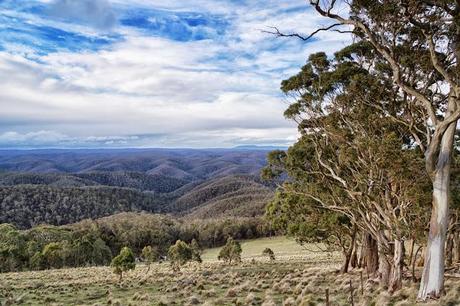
95,242
62,187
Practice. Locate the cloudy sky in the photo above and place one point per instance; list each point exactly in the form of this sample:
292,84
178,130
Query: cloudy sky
150,73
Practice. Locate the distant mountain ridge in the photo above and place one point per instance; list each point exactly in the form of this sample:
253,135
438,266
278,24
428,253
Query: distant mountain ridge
197,163
64,186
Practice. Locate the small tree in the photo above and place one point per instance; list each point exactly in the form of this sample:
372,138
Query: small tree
149,255
179,254
125,261
231,251
196,251
269,253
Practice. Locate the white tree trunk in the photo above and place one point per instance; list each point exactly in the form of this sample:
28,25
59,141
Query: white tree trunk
432,284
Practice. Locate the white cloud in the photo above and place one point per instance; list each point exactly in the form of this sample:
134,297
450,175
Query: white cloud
215,92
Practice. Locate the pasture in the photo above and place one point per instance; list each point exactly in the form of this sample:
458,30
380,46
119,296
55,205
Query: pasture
299,276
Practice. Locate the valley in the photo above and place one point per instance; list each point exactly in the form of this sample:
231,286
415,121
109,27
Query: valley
59,187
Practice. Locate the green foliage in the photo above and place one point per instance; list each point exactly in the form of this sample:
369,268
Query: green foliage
150,254
53,255
12,248
196,251
37,261
92,243
352,158
179,254
231,251
125,261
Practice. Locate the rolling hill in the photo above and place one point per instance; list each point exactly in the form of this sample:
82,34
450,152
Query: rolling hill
63,186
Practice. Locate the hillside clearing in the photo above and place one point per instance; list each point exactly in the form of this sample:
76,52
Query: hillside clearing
283,247
297,277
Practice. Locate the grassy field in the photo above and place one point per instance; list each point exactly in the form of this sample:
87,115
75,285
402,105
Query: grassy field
284,249
297,277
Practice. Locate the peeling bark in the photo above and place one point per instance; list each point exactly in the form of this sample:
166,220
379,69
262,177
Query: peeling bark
432,283
371,254
384,271
456,248
398,265
384,267
411,254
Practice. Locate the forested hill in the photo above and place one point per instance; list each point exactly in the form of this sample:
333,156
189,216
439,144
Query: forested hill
179,163
63,186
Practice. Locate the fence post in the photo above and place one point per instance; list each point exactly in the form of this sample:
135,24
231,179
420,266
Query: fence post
327,297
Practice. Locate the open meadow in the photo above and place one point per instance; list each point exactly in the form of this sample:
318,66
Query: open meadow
297,277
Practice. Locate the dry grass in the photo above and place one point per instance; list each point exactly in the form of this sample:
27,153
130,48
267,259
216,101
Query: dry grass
287,281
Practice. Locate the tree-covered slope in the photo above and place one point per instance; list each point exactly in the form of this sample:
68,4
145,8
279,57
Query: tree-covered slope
61,187
29,205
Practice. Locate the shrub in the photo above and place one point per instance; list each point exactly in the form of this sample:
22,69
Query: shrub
149,255
125,261
179,254
196,251
231,251
269,253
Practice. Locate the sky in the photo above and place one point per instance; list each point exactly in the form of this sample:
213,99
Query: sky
150,73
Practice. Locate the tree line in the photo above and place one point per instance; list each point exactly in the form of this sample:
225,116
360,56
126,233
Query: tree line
96,242
373,168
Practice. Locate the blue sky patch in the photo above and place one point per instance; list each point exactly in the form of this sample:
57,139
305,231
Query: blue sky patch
177,26
46,39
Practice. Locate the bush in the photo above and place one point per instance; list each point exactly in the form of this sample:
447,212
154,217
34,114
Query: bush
269,253
125,261
149,255
179,254
196,251
231,251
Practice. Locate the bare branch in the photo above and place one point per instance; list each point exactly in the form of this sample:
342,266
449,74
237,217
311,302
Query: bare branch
278,33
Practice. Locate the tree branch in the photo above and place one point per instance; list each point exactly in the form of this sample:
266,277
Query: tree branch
278,33
386,54
436,63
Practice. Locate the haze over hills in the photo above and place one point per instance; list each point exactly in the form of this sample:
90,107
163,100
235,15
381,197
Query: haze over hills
65,186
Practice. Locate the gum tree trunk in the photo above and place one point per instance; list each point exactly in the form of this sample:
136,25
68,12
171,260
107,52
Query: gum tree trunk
384,271
348,253
384,266
398,265
456,247
371,254
346,263
432,283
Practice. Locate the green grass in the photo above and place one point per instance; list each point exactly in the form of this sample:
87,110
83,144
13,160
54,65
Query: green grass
283,247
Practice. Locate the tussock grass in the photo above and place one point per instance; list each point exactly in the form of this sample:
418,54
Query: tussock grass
283,282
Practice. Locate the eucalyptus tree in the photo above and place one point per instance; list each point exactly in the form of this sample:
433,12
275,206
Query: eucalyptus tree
419,43
352,159
123,262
